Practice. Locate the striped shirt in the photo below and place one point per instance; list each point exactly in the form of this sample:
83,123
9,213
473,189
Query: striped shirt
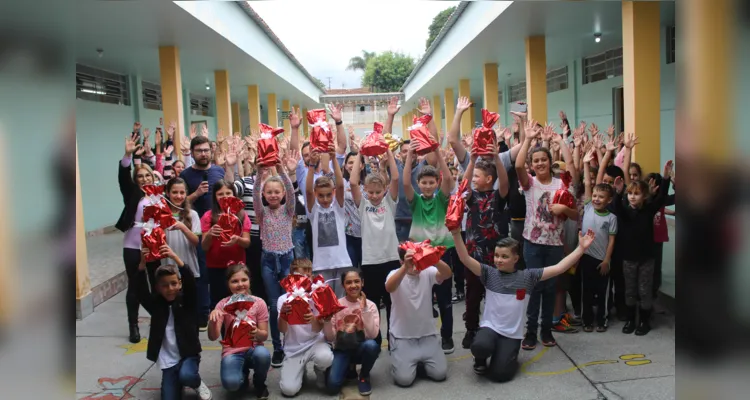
244,189
506,299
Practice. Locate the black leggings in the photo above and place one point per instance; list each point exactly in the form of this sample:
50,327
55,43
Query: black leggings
502,351
595,291
132,258
374,276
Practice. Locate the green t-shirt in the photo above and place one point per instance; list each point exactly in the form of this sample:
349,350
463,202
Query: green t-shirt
428,220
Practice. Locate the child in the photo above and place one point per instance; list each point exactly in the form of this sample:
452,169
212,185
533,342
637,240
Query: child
173,337
236,363
484,227
414,337
219,255
302,343
377,212
428,222
276,235
353,220
352,332
635,219
499,337
543,228
325,203
661,231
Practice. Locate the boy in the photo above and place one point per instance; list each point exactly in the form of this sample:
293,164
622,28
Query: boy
484,227
428,222
501,332
414,337
173,337
302,343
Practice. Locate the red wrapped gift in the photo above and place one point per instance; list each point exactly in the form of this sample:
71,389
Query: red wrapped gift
268,146
455,213
484,136
321,136
298,288
157,207
239,333
420,134
563,195
324,298
152,238
374,144
228,221
425,255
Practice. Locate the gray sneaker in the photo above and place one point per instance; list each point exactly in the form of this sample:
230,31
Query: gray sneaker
204,393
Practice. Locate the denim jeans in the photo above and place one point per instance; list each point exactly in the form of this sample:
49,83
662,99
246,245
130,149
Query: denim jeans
235,367
354,248
275,268
185,373
443,293
541,256
299,238
403,227
365,355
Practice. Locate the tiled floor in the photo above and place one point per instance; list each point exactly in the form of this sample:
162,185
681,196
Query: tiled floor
105,257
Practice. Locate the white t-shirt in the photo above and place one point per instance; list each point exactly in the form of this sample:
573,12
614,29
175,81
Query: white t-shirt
541,226
298,338
411,305
182,247
379,231
169,354
329,240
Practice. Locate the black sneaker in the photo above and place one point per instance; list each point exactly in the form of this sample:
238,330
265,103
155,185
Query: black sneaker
529,341
547,339
480,366
468,339
448,345
262,392
458,297
277,359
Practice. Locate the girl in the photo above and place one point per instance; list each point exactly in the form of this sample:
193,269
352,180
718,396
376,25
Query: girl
353,220
236,363
178,166
543,228
377,212
661,231
219,255
134,200
352,332
275,223
635,219
325,203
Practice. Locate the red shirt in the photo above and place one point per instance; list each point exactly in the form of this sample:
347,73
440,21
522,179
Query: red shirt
218,256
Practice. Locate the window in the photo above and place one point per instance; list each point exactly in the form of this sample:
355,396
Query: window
670,45
602,66
105,87
517,92
151,96
200,105
557,79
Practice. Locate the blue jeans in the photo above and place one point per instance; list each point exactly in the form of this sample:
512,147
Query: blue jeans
541,256
354,248
185,373
366,355
443,293
201,283
403,227
299,238
275,268
235,367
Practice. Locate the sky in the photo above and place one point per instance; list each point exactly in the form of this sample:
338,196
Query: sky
342,29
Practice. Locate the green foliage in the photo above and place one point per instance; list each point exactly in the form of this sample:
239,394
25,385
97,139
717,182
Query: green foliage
387,71
437,25
360,63
320,84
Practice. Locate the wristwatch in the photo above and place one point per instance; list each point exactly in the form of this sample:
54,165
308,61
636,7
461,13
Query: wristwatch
339,122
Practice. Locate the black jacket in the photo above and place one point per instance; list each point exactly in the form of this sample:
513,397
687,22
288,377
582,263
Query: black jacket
131,196
184,308
635,227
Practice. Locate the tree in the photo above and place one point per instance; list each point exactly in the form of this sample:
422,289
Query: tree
387,71
437,25
360,63
320,84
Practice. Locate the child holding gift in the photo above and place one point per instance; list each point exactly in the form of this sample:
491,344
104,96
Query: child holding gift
236,362
275,223
302,343
414,337
173,337
499,337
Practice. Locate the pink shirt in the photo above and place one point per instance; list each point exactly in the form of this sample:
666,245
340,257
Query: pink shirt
258,313
353,315
218,256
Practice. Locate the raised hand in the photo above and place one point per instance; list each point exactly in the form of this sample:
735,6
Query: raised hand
146,133
291,163
531,129
562,115
171,129
611,145
168,151
619,184
131,144
424,106
593,129
336,111
220,157
193,131
631,140
314,157
204,130
584,241
611,131
589,157
393,106
185,145
231,155
295,119
668,169
157,137
463,104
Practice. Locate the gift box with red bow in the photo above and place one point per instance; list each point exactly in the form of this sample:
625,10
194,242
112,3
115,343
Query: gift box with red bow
268,146
563,195
484,136
324,298
420,134
374,144
239,333
425,255
156,207
297,288
152,238
228,221
454,215
321,136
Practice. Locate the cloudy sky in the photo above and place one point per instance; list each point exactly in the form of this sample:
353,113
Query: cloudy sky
344,28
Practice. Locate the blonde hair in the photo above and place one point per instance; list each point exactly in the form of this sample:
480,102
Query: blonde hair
140,167
376,179
273,179
301,263
323,182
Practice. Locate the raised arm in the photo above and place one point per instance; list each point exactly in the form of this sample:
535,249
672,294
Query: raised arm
258,194
454,133
354,180
630,142
567,156
294,120
289,189
393,188
446,184
392,109
584,241
426,109
502,174
339,177
310,180
463,254
531,133
406,179
587,174
336,114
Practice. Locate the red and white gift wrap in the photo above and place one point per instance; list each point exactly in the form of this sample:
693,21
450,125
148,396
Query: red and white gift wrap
152,238
157,207
324,298
320,136
563,195
268,146
484,136
239,334
420,134
454,215
228,221
374,144
298,288
425,255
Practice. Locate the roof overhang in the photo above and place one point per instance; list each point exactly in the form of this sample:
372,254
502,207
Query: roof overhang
363,97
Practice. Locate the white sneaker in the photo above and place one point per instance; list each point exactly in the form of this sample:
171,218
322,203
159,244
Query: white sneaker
320,378
204,393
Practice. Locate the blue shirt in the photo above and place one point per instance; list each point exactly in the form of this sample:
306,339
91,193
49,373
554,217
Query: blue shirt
193,178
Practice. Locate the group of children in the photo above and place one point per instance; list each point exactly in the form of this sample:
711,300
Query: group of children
516,241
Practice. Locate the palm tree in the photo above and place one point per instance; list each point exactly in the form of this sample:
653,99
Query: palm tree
360,63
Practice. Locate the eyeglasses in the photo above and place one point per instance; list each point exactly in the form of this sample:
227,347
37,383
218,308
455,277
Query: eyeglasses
199,151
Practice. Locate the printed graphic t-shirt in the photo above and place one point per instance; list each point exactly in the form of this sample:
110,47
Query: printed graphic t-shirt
329,240
541,226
